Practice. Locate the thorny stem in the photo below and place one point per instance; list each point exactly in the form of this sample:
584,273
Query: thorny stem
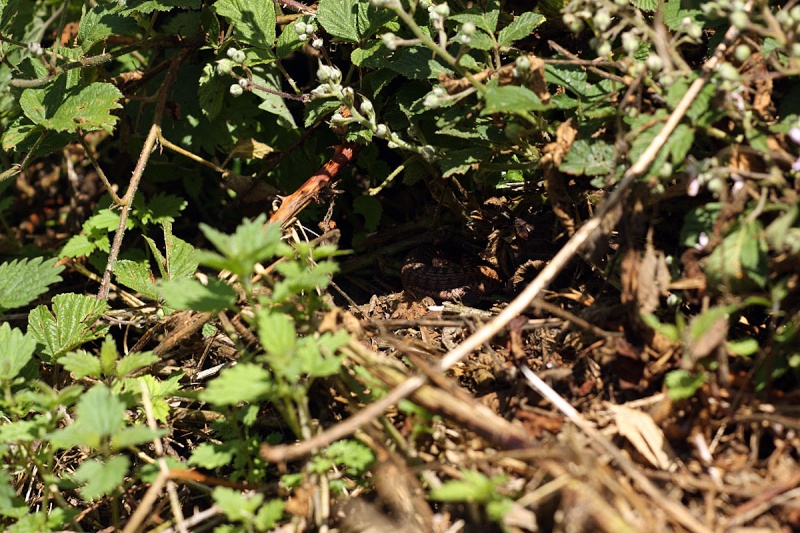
147,149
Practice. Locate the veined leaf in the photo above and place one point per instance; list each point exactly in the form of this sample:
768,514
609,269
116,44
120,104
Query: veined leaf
100,478
521,27
87,107
511,99
23,281
244,382
71,323
16,349
254,20
340,18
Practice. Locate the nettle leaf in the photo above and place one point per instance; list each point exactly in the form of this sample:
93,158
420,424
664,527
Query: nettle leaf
511,99
589,158
269,514
235,505
277,333
71,323
134,436
159,392
298,278
244,382
99,479
134,361
184,293
98,415
254,20
82,364
210,455
16,350
340,18
252,242
521,27
22,281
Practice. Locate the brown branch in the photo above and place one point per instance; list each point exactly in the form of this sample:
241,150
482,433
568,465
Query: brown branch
147,149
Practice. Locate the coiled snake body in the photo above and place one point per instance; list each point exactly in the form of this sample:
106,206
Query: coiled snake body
430,271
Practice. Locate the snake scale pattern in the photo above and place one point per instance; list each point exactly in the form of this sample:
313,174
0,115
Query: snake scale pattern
430,271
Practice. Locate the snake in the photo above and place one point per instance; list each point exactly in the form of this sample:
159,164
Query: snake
431,271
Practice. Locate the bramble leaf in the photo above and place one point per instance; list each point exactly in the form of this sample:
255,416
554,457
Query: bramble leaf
340,18
521,27
511,99
254,20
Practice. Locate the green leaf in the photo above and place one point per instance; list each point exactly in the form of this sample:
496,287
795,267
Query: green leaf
353,455
148,6
103,21
86,107
244,382
485,20
77,246
276,332
99,414
16,350
99,479
82,364
134,361
474,487
137,276
160,208
210,455
271,102
23,281
339,18
744,347
252,242
254,20
269,514
235,505
511,99
681,384
740,261
589,158
159,391
134,436
289,40
186,293
298,278
108,356
521,27
71,323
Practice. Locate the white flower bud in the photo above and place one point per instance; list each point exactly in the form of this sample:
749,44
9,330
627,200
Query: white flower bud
468,29
236,90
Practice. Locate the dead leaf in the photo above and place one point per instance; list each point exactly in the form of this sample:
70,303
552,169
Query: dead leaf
643,433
